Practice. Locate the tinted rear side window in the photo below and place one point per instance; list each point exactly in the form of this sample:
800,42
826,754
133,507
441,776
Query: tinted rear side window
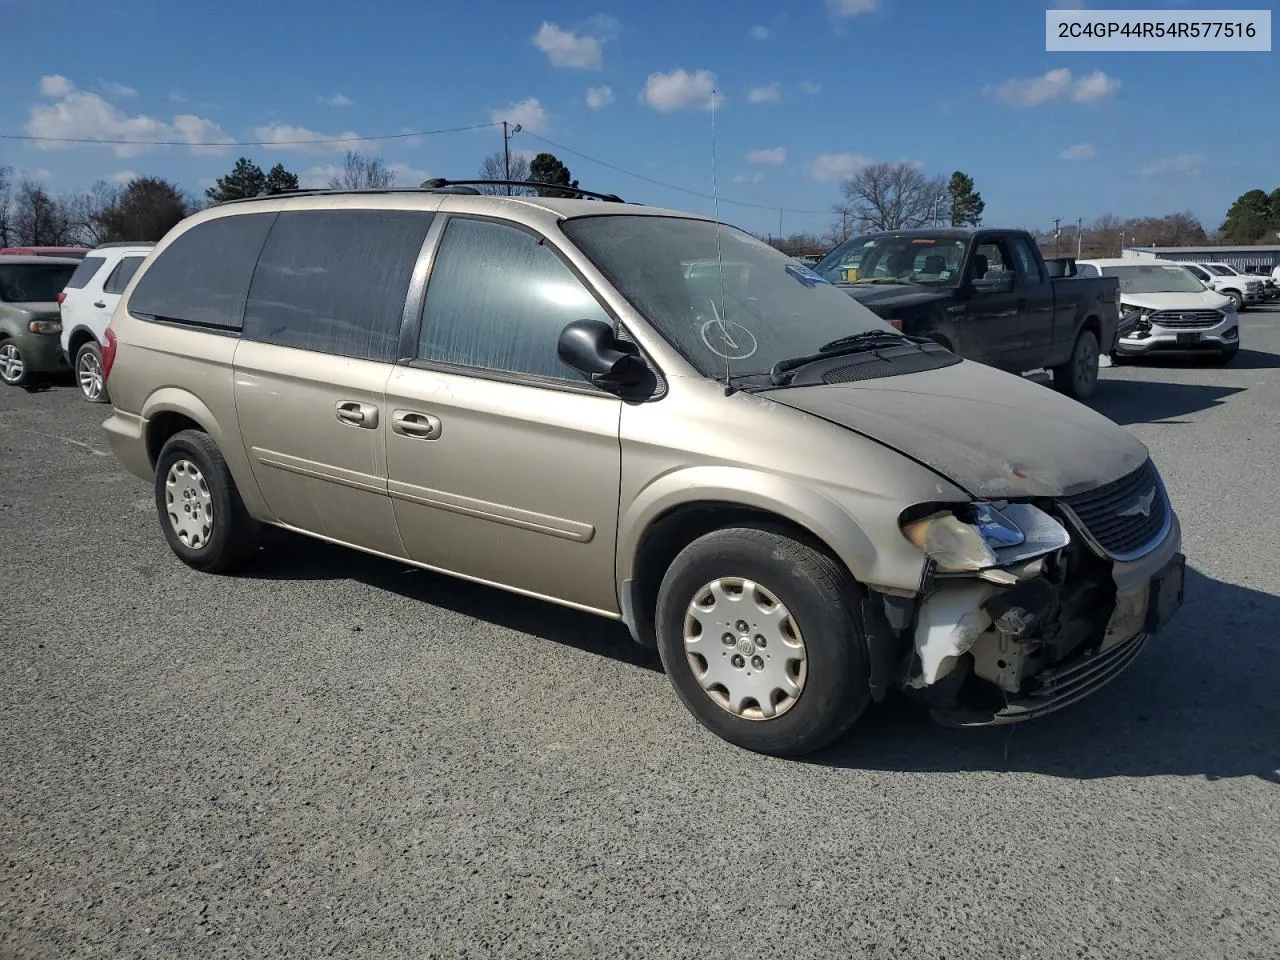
203,276
122,274
88,267
336,281
33,282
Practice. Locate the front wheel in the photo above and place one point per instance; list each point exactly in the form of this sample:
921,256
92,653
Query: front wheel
759,636
1239,300
1078,377
13,365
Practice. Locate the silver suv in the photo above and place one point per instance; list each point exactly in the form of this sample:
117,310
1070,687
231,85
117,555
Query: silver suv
652,417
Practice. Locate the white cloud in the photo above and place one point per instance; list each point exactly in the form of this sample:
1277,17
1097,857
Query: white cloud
1080,151
336,100
285,136
599,97
769,93
808,86
773,155
580,49
86,116
837,166
1054,85
759,32
177,96
407,176
847,9
55,85
1180,164
755,177
409,141
123,176
681,90
528,113
318,177
121,90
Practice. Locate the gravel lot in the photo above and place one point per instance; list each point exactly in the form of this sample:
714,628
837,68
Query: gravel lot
335,755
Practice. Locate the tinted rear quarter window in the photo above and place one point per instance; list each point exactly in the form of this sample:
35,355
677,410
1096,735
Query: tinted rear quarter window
88,267
203,276
122,274
336,281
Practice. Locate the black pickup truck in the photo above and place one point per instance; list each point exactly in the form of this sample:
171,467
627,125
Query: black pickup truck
987,295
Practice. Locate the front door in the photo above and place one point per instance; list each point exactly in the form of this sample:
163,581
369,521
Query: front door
1035,294
503,462
992,328
321,332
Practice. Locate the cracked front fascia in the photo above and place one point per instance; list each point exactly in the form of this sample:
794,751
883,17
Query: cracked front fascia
949,622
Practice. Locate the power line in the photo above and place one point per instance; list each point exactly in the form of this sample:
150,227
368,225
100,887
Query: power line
245,143
671,186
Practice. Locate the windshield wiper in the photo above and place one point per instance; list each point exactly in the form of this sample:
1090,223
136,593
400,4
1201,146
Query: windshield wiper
841,346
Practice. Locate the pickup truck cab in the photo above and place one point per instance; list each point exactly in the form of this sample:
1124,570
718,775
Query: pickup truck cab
1245,291
985,294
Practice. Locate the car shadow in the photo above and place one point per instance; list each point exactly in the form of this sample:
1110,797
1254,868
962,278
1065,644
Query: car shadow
1199,701
1245,359
1128,402
288,556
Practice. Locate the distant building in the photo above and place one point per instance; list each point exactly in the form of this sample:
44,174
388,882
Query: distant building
1266,256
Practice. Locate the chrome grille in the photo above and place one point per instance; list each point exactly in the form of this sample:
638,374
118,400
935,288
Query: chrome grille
1187,319
1112,514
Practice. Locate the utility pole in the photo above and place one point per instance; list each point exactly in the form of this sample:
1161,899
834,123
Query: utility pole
506,151
779,224
1057,232
1079,236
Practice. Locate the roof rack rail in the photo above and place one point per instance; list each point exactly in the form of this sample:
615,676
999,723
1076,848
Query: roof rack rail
125,243
439,183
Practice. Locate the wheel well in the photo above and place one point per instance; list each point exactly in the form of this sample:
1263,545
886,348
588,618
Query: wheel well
162,427
78,339
674,530
1092,324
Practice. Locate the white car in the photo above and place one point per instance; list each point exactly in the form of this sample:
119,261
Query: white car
1245,291
87,303
1164,307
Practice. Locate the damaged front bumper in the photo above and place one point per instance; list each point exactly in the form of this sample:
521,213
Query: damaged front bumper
989,650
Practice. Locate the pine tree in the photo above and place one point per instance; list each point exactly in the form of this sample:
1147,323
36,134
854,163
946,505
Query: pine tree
280,180
246,179
966,203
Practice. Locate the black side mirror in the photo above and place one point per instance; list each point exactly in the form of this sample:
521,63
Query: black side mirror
997,281
590,347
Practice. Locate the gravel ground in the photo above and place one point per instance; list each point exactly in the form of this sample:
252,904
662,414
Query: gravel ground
335,755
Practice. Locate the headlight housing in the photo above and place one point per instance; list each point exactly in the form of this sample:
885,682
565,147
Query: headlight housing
45,326
985,535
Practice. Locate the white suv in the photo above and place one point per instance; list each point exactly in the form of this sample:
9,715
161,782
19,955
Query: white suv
1245,291
87,303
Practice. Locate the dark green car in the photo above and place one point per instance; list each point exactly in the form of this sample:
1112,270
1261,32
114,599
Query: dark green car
30,318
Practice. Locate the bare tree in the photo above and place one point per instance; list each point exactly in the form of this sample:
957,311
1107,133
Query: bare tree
40,220
8,232
890,196
494,168
84,210
362,173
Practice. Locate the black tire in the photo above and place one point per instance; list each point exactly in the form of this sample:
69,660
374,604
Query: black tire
1078,377
24,376
232,535
90,354
1239,300
823,601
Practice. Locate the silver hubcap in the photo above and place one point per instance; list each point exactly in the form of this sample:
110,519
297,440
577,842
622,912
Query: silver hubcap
89,371
189,504
745,648
11,365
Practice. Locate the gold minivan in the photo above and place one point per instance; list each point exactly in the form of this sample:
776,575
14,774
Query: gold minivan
653,417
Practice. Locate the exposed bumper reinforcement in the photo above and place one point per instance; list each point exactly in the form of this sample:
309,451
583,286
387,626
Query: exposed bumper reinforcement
1061,688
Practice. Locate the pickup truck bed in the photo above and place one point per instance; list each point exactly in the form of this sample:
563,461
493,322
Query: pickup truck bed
986,294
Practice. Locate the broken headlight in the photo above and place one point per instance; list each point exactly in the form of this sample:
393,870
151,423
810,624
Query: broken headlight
986,535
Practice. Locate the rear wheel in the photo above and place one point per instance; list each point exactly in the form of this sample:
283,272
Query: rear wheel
1078,377
201,512
13,365
89,376
758,634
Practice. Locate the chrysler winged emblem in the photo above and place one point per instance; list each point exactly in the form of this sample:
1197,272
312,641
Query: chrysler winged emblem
1142,505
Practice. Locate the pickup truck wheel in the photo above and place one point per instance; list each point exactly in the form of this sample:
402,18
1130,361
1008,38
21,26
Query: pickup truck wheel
1238,297
758,635
1078,377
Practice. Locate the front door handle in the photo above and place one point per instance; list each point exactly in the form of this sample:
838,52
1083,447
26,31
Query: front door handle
420,426
100,304
357,414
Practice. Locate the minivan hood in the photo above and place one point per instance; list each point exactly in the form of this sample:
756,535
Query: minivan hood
1201,300
994,434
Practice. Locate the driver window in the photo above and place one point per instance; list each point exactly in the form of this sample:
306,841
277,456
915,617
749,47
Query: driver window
1028,268
989,258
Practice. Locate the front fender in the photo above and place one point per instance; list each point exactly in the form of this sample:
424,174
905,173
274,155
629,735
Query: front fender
794,501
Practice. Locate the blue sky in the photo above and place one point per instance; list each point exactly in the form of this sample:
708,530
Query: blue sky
810,89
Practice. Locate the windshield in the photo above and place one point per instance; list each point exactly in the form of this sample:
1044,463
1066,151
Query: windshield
1224,270
771,308
1156,278
907,259
33,282
1216,270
